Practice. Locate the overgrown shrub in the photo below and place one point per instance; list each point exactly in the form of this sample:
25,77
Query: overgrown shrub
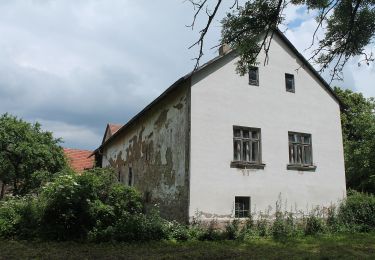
314,225
178,231
232,230
19,218
283,226
357,211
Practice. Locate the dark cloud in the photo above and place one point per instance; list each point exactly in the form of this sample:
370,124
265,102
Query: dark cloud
76,65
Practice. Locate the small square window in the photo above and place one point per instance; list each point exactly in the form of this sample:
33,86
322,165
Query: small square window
289,82
254,76
242,207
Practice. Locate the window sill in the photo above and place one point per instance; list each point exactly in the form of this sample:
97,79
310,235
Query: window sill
246,165
295,167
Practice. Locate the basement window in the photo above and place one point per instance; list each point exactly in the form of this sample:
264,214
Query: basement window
242,207
246,148
300,152
254,76
289,82
130,177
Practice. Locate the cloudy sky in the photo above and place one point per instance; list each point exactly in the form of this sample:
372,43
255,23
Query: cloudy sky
74,65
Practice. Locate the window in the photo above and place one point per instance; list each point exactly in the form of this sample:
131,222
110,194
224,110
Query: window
254,76
242,207
300,150
130,177
246,147
289,82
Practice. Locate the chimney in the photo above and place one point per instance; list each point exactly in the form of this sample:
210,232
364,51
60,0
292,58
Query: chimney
224,49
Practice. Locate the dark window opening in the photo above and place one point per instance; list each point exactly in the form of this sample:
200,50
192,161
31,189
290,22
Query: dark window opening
130,177
254,76
119,175
300,149
242,207
289,82
147,197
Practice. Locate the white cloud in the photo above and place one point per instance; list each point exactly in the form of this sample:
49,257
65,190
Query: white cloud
76,65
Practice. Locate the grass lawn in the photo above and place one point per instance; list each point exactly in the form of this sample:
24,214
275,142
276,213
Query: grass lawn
343,246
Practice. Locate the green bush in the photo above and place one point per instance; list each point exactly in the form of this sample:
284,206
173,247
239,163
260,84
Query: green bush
232,230
283,226
19,218
178,231
314,225
357,212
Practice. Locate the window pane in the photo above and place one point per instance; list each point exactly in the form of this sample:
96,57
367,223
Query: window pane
255,152
306,139
292,138
237,132
246,151
255,134
245,133
307,153
237,150
253,76
289,82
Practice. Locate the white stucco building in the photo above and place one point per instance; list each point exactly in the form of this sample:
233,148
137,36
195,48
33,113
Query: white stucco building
223,145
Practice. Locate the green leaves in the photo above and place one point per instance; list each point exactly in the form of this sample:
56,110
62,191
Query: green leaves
358,123
348,25
25,152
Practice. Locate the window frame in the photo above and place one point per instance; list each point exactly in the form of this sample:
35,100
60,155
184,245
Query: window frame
251,81
293,90
301,166
243,211
241,163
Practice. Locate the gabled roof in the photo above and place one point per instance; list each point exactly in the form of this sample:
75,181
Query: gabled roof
79,160
110,130
188,76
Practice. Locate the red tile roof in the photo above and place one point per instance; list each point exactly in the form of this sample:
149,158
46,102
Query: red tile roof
79,159
114,128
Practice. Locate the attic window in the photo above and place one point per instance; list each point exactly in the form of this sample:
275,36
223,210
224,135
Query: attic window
254,76
289,82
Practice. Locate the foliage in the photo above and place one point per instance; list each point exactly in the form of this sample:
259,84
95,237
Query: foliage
348,27
314,225
283,226
358,124
28,155
19,217
337,246
357,212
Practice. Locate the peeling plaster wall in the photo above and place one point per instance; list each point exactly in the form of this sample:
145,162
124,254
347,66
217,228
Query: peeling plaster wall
220,98
156,147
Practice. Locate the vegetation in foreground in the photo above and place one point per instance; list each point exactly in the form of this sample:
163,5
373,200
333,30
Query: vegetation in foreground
339,246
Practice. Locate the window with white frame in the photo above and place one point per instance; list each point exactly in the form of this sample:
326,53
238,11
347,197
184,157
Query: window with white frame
242,207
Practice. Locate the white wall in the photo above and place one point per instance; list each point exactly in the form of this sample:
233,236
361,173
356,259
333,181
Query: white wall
220,98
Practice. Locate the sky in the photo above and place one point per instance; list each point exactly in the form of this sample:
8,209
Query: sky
76,65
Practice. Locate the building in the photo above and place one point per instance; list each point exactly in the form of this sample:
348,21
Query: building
79,160
221,145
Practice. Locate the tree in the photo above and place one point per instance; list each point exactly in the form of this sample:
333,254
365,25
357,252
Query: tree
348,26
28,155
358,124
